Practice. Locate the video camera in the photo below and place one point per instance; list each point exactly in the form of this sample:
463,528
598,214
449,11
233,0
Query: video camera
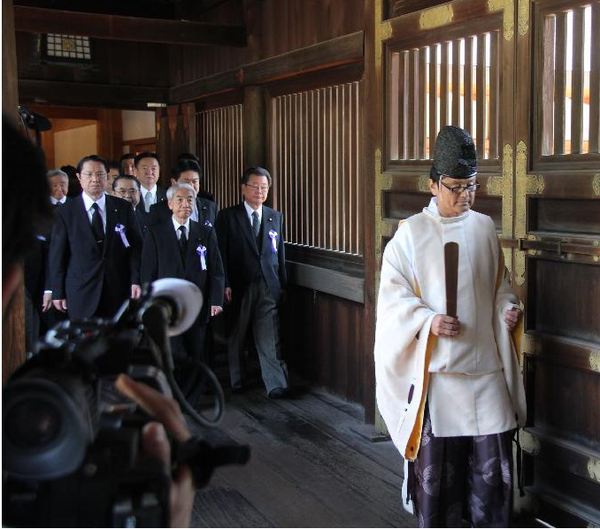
71,444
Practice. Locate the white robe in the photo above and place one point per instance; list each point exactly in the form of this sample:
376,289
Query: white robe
472,382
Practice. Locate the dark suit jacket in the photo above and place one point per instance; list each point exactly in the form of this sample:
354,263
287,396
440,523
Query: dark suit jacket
79,269
207,211
161,258
243,259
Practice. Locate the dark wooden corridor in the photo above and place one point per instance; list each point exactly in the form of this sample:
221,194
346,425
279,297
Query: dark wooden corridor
312,465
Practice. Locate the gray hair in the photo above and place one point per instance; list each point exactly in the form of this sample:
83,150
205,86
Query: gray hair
57,172
175,187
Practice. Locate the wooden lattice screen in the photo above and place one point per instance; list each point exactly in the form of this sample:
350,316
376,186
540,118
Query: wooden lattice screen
571,81
447,83
220,150
315,142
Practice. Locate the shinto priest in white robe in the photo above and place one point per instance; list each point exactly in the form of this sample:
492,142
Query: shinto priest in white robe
472,383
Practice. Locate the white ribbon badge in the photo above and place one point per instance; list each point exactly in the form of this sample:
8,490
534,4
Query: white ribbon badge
120,229
201,251
208,223
273,235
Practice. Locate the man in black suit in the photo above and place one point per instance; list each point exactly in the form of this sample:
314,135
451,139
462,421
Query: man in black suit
95,248
39,314
202,193
205,211
182,248
251,242
128,188
147,171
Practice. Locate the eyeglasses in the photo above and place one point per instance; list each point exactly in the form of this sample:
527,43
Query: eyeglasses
459,190
256,187
97,175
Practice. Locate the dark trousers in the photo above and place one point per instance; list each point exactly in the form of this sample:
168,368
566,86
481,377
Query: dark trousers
456,477
257,311
188,348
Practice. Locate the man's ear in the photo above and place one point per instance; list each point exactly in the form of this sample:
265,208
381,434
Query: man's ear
10,282
173,181
433,187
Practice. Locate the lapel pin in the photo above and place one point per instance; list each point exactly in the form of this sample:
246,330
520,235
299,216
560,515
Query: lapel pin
270,219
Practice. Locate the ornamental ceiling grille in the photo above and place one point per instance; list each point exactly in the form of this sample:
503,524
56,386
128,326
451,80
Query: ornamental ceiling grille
315,148
571,81
220,137
66,48
454,82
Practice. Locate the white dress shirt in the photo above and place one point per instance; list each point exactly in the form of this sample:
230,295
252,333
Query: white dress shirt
187,228
89,202
53,201
152,192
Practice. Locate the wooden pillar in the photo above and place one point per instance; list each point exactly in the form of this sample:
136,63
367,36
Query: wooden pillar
371,138
255,127
110,133
13,322
10,96
163,145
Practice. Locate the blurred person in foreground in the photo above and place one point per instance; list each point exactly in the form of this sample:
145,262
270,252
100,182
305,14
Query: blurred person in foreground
19,227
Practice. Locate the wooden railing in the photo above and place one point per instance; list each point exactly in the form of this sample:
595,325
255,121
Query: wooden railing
220,151
571,81
316,160
454,82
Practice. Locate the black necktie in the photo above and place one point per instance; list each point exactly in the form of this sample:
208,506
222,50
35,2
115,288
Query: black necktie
182,243
97,227
255,224
58,205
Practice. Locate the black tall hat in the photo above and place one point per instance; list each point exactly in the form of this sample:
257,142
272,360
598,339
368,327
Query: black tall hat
455,154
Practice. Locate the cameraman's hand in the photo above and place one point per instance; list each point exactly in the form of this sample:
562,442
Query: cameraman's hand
46,301
60,304
136,291
228,295
156,444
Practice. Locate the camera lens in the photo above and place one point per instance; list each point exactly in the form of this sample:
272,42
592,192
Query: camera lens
32,423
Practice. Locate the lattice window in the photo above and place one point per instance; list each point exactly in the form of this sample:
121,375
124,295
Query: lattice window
316,165
66,48
220,135
571,81
454,82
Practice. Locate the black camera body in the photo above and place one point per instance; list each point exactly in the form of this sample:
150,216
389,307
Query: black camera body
71,444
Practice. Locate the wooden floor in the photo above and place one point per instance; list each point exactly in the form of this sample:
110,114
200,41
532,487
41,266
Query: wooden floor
312,465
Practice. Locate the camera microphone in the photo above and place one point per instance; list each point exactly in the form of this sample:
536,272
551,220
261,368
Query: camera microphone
180,299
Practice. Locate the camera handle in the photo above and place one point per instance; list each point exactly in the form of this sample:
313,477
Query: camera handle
156,319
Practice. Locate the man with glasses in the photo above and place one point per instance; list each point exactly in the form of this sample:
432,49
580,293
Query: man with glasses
250,238
95,249
449,388
128,188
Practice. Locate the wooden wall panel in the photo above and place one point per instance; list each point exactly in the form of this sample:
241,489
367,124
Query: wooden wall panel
571,307
565,216
274,27
322,337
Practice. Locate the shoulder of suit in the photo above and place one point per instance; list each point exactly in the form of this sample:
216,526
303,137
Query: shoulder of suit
205,203
117,202
270,212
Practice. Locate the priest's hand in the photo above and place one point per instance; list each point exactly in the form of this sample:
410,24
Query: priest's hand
445,326
512,317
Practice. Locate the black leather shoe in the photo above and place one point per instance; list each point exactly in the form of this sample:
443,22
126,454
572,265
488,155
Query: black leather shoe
279,393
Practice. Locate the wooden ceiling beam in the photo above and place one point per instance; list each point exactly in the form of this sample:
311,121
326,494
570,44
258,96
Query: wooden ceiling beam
136,29
87,94
341,51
